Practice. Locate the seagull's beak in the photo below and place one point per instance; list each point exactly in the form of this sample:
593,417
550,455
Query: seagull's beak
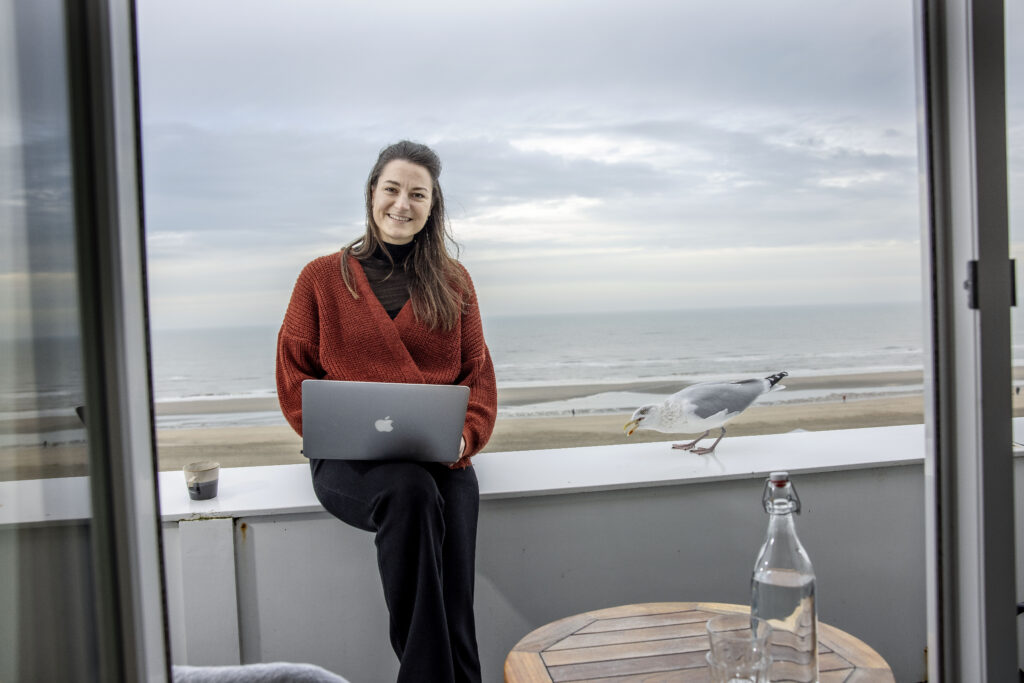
631,427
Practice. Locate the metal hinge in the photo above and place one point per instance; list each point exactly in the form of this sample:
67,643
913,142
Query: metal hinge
1013,282
971,284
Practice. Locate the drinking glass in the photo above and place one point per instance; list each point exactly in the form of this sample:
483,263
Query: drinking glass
740,649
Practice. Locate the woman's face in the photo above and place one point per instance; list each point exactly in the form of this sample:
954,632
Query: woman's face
401,201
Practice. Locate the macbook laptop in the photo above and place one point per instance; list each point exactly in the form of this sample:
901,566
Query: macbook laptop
382,421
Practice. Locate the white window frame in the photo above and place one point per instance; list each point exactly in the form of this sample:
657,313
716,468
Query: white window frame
125,528
968,410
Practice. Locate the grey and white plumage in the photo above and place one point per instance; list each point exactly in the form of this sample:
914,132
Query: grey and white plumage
700,408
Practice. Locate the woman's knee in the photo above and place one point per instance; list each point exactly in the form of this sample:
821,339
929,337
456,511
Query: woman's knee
410,492
343,505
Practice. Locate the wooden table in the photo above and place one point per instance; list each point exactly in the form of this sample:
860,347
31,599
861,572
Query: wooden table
657,642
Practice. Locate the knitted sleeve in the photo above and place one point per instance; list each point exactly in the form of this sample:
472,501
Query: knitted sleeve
477,372
298,348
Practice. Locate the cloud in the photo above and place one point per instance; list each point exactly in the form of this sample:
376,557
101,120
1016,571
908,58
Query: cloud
325,59
617,280
562,220
723,188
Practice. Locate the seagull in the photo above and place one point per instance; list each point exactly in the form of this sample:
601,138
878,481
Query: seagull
700,408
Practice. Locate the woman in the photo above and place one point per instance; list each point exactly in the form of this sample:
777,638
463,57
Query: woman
394,306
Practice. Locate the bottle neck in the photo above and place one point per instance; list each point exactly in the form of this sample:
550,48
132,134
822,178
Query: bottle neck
781,507
782,548
782,522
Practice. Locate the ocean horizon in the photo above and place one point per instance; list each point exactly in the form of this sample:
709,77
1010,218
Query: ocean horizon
593,348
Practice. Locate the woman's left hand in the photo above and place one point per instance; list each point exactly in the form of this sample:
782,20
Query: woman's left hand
462,450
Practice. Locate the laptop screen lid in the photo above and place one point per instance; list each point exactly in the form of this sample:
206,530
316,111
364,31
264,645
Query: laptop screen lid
382,421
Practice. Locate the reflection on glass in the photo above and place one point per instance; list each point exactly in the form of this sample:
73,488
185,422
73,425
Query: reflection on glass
47,628
41,379
1015,192
1015,178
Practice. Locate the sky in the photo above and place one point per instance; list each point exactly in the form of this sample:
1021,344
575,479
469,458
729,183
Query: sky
598,156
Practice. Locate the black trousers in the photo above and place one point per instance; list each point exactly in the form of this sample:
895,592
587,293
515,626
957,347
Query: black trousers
424,519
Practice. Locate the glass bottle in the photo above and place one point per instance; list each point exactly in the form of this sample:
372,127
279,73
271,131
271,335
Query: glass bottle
782,587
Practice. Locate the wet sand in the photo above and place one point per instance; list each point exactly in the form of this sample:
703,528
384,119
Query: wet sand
517,396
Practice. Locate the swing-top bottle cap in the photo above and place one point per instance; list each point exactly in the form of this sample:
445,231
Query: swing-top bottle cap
779,494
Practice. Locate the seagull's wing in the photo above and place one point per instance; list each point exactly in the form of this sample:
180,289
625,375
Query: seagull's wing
732,397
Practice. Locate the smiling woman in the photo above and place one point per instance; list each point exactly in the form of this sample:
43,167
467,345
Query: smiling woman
419,324
404,203
401,201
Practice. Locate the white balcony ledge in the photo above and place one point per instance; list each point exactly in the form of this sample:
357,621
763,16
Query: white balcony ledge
286,489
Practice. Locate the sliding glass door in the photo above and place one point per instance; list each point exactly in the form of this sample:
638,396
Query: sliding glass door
80,593
47,604
969,467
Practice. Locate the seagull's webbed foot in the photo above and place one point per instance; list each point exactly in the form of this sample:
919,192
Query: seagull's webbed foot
710,449
690,446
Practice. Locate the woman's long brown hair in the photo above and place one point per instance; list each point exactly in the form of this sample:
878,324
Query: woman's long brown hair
437,284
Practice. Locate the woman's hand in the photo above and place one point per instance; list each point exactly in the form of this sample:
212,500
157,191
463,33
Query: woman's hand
462,450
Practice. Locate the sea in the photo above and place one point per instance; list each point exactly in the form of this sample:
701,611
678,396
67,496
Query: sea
531,351
592,349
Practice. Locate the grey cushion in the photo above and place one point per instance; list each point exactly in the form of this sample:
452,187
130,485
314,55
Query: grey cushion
277,672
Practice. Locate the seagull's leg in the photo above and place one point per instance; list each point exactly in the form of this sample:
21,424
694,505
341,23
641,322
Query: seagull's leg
707,451
689,446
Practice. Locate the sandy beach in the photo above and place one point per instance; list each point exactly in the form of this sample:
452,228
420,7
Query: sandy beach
278,444
272,445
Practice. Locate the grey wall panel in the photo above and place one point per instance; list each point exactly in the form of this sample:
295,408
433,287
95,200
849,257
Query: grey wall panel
308,589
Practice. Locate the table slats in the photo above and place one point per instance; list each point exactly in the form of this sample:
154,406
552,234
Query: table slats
601,625
633,635
643,648
658,642
638,665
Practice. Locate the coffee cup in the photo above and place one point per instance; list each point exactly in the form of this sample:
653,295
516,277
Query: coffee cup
201,479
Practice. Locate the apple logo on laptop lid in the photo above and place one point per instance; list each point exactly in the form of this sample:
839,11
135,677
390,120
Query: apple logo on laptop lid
384,425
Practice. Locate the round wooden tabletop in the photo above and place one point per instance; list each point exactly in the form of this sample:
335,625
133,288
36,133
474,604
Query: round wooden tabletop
658,642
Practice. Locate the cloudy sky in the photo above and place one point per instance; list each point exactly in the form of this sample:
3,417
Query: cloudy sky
599,156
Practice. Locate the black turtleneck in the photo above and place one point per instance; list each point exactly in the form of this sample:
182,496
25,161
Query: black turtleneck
390,284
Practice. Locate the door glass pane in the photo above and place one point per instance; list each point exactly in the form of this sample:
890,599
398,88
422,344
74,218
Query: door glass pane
46,600
1015,175
698,190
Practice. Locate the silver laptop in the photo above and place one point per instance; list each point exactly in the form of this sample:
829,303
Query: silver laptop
382,421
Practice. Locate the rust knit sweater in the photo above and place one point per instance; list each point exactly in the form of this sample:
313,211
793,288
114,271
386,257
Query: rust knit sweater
329,334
